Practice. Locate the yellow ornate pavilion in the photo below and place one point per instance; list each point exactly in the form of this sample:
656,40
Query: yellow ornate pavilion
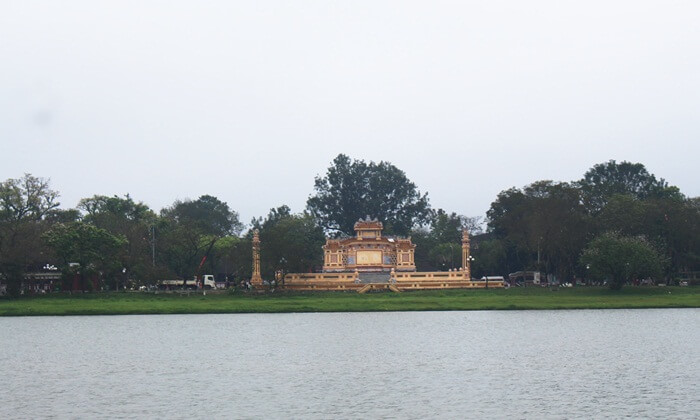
368,251
369,261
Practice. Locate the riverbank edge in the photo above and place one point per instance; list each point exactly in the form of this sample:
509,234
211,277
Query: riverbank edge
329,302
292,311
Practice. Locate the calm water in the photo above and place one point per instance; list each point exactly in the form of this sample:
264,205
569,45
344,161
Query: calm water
531,364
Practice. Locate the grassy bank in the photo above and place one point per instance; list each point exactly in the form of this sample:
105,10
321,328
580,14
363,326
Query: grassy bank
515,298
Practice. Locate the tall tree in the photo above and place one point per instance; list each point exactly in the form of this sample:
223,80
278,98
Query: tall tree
353,188
208,214
94,249
490,257
132,220
24,205
290,242
225,260
544,226
447,227
439,247
671,224
605,180
189,230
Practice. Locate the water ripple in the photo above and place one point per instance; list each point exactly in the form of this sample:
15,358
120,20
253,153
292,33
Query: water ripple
518,364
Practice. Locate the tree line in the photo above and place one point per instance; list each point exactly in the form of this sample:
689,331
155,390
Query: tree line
617,223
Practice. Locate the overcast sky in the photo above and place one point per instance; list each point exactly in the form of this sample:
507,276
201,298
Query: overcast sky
249,101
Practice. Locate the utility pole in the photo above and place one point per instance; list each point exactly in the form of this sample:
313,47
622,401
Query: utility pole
153,244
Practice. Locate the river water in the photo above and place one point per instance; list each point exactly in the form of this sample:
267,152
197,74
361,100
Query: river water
491,364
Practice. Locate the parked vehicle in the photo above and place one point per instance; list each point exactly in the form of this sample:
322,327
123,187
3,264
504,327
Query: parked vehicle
207,280
525,277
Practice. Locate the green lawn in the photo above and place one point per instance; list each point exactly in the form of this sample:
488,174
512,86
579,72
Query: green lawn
514,298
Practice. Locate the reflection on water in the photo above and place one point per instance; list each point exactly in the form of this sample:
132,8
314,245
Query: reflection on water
519,364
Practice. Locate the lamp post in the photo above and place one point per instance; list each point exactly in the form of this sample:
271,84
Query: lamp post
153,245
283,269
471,260
588,267
487,282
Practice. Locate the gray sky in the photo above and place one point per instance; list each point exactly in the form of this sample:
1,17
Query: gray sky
248,101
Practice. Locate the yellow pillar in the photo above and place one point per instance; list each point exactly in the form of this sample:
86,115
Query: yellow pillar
256,279
466,263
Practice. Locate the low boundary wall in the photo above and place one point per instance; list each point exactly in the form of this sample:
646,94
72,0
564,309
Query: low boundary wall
419,280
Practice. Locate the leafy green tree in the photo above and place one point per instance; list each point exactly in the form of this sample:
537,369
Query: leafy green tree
223,258
353,189
289,242
490,257
619,259
446,255
62,216
560,225
672,224
26,198
439,246
623,213
694,202
608,179
424,243
207,214
132,220
447,227
544,226
190,229
24,205
242,256
94,249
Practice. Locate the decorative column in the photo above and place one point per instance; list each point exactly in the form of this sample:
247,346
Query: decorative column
256,280
466,263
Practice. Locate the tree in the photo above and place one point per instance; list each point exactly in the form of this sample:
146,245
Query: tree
127,218
26,198
605,180
559,225
490,257
24,205
353,189
94,249
62,216
619,259
190,229
222,260
207,214
440,246
506,211
446,255
623,213
424,242
289,242
447,227
544,226
672,224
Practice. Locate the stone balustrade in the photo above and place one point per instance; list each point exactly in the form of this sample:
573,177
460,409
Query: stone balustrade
425,280
320,277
